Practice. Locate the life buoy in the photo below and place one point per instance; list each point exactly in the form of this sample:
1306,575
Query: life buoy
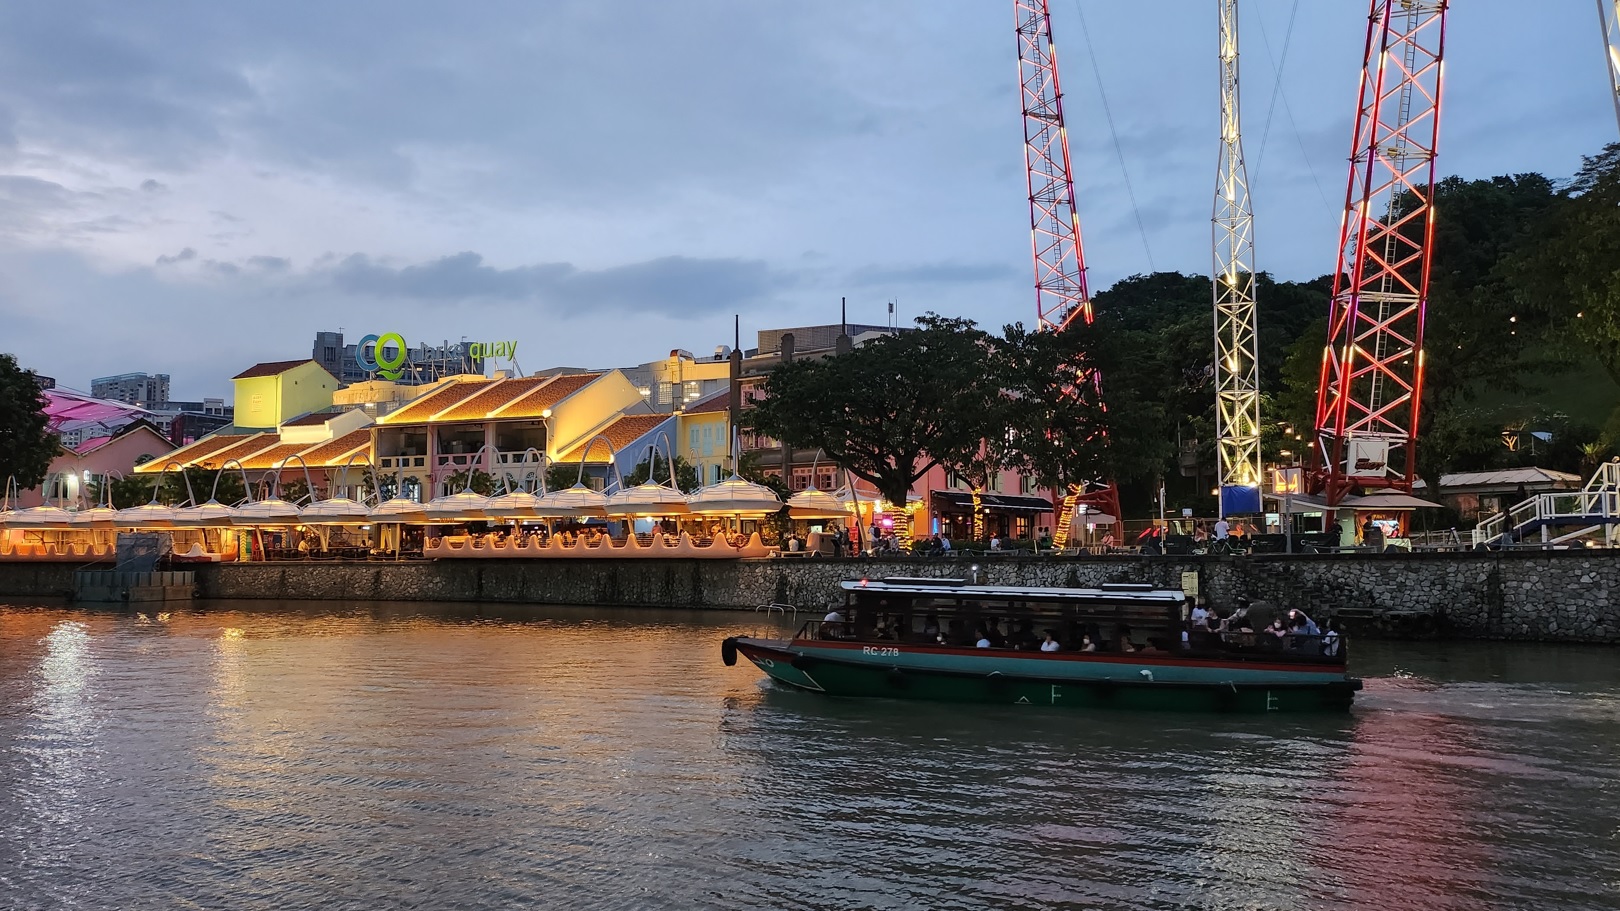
728,651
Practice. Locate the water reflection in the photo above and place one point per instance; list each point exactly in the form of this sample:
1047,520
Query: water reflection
386,755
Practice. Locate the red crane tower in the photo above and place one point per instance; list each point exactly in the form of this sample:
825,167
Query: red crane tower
1060,262
1371,390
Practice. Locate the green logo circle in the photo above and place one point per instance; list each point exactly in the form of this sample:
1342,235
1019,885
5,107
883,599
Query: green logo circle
389,367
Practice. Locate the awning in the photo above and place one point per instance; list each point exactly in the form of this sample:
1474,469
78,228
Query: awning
994,501
1389,501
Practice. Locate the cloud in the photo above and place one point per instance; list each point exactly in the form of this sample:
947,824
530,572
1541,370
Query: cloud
185,255
673,284
931,274
152,186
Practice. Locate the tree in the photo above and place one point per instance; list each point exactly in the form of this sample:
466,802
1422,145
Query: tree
887,411
685,475
1571,274
27,445
482,483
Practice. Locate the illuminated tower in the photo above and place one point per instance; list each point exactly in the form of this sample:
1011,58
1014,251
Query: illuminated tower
1237,368
1060,263
1371,390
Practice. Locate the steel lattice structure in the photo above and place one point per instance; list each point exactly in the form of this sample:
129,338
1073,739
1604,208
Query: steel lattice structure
1609,21
1061,296
1237,368
1371,390
1060,263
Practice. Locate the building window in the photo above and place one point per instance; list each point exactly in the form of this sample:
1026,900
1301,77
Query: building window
801,479
691,391
826,477
995,482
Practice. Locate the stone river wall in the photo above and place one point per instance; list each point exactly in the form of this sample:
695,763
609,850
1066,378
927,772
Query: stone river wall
1571,596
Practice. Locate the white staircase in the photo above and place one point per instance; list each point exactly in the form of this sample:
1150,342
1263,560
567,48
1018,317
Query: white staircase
1589,514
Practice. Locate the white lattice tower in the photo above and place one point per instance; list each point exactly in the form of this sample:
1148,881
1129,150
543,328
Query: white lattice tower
1609,21
1237,368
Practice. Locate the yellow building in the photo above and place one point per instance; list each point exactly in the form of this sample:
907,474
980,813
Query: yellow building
270,394
703,431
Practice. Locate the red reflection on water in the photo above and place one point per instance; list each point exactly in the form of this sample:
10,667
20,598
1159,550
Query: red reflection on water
1400,830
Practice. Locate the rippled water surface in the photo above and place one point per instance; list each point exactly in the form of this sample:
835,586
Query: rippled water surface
392,756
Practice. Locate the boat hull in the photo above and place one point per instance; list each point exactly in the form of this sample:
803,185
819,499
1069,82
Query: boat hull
1159,683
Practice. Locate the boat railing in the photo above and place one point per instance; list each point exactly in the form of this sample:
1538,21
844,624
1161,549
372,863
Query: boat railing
788,611
1326,647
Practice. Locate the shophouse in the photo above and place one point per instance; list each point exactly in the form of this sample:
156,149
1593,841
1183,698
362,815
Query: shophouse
504,425
78,471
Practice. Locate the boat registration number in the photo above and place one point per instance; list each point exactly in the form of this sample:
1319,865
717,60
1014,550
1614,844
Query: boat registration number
879,651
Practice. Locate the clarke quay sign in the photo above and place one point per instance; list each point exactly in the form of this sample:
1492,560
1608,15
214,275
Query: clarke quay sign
386,355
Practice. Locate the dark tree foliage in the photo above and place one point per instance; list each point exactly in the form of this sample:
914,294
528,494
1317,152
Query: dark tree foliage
889,410
685,475
27,445
1570,273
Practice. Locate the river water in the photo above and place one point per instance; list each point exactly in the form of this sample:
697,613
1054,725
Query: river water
381,756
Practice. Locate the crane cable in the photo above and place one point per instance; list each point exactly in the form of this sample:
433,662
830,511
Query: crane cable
1119,151
1277,65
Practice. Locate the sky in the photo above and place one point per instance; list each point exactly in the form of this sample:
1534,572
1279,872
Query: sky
191,188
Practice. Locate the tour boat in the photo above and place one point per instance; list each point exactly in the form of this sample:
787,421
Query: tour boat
1125,646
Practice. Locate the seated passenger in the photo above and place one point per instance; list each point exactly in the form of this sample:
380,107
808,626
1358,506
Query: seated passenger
1050,643
931,626
1087,644
832,625
1200,616
1330,640
984,642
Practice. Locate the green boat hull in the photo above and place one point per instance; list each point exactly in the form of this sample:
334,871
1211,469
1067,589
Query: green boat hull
856,679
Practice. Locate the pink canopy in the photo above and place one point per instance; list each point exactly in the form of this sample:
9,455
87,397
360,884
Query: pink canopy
68,410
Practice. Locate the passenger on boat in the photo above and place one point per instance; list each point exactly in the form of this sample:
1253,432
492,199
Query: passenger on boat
1087,644
1330,640
1297,617
1122,633
832,625
1277,629
931,626
984,641
1050,643
1200,616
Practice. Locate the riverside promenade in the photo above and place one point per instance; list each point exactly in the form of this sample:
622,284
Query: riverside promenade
1548,596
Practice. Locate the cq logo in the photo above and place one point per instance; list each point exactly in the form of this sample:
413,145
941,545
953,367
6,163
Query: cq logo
379,361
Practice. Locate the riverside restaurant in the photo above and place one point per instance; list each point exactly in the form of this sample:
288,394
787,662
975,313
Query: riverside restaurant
336,486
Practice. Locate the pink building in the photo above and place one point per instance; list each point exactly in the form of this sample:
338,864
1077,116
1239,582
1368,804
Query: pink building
73,470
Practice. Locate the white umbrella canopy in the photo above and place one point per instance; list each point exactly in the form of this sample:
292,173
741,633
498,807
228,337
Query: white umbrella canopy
466,506
336,511
517,504
648,499
41,517
149,515
817,504
268,511
579,500
399,509
212,514
96,517
734,497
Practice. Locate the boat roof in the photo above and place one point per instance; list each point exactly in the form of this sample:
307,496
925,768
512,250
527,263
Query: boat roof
1122,591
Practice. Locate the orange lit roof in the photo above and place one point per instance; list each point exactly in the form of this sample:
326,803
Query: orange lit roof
272,457
338,451
424,408
709,404
546,396
201,449
621,433
241,451
493,399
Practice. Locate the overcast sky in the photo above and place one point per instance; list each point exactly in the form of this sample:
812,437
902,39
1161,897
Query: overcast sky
191,188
